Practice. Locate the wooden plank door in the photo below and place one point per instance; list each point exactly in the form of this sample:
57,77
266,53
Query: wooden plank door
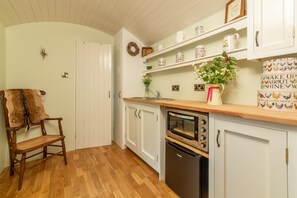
93,91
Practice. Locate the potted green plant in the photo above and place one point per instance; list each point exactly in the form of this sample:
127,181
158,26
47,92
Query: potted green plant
146,81
217,73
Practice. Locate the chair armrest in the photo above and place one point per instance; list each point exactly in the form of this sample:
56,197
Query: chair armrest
12,128
59,125
53,119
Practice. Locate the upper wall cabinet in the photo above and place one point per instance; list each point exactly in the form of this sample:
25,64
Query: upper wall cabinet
271,28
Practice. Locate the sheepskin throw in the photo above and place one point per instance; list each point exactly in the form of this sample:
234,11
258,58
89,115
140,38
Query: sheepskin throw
24,107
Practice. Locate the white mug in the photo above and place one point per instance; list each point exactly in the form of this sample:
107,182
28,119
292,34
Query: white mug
160,47
230,42
162,62
180,36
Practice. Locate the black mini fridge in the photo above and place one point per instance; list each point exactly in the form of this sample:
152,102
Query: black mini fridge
186,172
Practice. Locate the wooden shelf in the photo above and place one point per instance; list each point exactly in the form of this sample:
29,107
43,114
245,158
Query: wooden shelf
238,54
238,24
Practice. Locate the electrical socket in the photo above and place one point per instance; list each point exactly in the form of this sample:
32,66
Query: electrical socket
65,75
199,87
175,87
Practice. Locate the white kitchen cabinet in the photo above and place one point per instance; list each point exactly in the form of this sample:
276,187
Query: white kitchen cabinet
127,80
271,28
249,160
132,126
292,162
149,134
143,132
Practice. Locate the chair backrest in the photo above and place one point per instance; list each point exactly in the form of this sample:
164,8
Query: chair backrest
22,107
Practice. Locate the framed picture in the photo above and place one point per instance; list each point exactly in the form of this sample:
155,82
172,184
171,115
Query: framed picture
234,9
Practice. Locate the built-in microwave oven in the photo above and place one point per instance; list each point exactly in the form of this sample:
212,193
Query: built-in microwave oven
189,127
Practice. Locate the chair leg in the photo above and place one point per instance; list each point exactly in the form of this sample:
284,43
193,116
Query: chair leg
64,151
44,152
11,166
22,170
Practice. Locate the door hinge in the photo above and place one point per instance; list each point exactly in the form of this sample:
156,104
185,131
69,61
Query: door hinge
157,118
125,108
287,156
157,157
293,31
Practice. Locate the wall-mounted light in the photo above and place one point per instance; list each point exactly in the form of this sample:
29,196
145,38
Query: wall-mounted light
43,52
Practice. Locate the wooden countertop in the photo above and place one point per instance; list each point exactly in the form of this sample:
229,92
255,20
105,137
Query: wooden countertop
241,111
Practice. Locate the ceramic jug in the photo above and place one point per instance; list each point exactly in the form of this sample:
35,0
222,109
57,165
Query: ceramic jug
214,96
230,42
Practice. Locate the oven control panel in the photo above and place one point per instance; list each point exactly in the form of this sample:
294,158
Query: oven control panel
203,133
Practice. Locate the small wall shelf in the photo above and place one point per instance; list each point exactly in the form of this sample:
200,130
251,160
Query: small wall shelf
238,24
238,54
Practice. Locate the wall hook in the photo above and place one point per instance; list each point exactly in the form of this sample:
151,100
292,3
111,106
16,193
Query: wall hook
43,52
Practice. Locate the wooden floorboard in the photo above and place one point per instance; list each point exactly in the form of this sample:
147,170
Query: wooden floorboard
101,172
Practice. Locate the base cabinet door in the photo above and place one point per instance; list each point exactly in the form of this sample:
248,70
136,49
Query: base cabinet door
132,125
142,132
250,161
148,134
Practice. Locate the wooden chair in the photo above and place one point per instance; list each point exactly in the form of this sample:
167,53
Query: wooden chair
22,148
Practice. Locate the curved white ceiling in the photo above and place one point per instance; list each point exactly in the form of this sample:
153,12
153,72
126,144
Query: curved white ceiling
149,20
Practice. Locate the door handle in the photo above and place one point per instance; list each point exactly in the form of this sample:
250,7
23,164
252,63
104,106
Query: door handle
256,38
135,113
218,135
120,94
139,114
178,155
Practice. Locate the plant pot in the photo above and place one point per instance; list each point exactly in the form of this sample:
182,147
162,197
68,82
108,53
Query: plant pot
214,95
146,92
148,67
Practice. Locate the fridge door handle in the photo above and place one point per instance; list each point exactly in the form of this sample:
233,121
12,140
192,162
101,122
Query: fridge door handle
178,155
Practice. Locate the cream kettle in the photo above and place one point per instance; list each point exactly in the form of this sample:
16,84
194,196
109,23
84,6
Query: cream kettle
230,42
